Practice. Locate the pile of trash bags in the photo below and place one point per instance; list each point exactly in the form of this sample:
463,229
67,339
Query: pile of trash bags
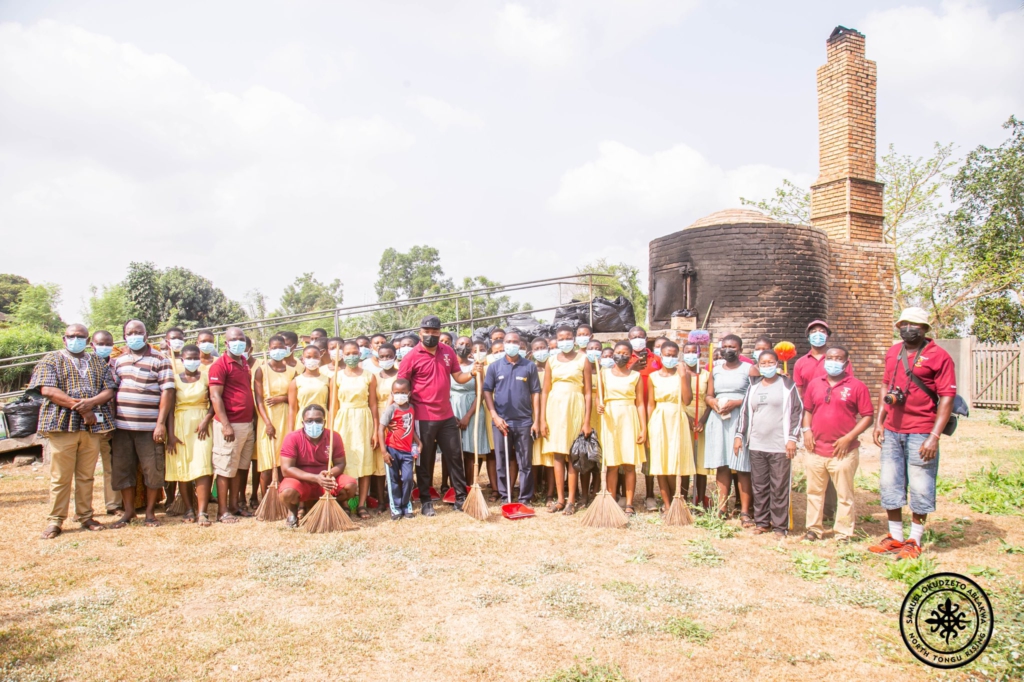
610,316
22,416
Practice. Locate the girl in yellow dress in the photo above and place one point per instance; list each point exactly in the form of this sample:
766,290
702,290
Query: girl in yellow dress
543,459
565,403
308,388
189,452
270,386
668,428
698,377
623,422
386,374
356,418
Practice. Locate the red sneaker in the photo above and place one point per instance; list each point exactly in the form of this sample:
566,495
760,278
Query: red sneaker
888,545
911,550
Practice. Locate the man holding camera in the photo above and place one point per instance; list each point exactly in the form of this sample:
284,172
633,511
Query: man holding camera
915,404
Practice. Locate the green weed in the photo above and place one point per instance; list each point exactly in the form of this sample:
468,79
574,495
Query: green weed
984,571
687,629
910,571
989,491
868,483
810,566
1006,420
587,671
799,482
1006,548
704,553
861,596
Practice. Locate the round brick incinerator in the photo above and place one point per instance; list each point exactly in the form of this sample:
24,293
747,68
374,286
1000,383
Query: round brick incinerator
765,277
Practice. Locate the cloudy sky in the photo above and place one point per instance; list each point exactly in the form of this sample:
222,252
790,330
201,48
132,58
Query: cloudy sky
251,141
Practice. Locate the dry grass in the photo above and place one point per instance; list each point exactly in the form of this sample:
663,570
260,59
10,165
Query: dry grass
454,599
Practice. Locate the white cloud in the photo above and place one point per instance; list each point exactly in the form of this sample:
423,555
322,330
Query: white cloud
960,62
678,182
444,115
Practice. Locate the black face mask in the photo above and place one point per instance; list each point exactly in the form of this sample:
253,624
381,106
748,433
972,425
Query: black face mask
462,350
911,334
429,341
620,359
730,355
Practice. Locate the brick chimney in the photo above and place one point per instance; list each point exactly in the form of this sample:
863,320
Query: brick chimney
846,201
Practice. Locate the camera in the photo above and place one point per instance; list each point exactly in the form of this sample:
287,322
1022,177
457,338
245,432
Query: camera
895,396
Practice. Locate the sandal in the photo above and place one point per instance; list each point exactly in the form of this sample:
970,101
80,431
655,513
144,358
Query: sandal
51,532
570,509
121,523
92,525
189,517
227,518
151,523
362,512
761,530
650,504
243,512
746,521
204,520
555,507
629,510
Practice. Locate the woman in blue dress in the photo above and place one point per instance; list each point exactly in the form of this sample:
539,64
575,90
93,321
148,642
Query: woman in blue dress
726,388
474,424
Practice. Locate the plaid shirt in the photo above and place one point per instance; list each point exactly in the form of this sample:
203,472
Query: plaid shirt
60,370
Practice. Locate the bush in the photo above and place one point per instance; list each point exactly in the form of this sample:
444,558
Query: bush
23,340
990,491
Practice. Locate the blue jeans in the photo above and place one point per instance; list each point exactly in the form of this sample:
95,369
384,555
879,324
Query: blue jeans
902,465
399,475
521,444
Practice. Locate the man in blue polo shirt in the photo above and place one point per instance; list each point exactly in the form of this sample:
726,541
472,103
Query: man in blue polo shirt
512,393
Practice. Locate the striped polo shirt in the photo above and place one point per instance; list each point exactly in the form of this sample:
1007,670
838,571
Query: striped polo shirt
140,380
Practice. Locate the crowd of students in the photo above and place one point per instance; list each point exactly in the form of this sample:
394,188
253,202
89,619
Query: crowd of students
364,419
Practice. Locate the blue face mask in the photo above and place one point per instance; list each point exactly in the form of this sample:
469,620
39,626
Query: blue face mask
541,355
511,349
593,356
278,354
607,362
834,367
691,359
365,352
103,352
755,355
818,339
207,348
313,429
135,341
769,371
670,363
657,351
190,365
75,344
582,341
401,352
236,347
566,346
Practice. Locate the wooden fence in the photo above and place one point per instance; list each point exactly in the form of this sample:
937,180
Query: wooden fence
998,371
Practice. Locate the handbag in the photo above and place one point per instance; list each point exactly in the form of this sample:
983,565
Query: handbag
960,406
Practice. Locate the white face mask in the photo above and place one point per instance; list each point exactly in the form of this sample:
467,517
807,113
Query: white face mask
387,364
400,398
335,353
638,344
311,363
176,344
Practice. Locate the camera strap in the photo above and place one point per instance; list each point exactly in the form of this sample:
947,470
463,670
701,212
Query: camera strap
916,379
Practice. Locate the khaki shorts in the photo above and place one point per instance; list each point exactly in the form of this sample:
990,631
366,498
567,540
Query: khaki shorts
228,458
132,450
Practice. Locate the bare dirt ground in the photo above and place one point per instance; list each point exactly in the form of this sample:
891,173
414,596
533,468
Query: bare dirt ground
450,598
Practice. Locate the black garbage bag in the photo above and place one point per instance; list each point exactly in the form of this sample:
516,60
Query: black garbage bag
572,315
613,316
585,453
22,416
401,335
525,325
483,334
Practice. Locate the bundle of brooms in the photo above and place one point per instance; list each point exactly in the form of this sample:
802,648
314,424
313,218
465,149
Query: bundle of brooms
475,505
272,507
604,511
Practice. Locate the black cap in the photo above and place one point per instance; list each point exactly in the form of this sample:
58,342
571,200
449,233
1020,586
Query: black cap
430,322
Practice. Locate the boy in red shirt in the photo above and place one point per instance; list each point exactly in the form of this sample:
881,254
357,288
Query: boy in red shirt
401,448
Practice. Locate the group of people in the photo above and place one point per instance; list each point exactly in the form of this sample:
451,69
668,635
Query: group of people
364,419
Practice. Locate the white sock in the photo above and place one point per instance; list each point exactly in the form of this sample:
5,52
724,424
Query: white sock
916,532
896,530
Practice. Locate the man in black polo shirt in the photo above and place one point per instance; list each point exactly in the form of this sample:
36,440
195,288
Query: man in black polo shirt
512,393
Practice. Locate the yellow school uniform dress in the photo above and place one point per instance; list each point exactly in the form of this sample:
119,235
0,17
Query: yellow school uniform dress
354,421
384,384
668,429
540,457
310,391
595,418
268,453
620,423
566,407
691,411
194,457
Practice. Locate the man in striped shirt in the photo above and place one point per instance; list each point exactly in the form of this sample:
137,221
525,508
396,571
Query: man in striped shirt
145,394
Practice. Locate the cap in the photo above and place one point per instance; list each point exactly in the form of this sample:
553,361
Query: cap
819,323
914,316
430,322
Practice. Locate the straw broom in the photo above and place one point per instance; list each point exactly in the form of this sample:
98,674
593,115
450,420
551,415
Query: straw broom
679,512
272,507
327,516
475,505
604,512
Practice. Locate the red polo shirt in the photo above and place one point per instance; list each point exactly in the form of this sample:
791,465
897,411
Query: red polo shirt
429,374
934,367
835,410
236,380
309,456
808,368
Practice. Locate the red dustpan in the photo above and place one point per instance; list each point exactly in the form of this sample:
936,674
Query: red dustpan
513,510
449,497
434,495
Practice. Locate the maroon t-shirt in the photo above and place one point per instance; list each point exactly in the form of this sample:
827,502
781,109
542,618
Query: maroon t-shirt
309,456
430,375
808,368
934,367
835,410
236,379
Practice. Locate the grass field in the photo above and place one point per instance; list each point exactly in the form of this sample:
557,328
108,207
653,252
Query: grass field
541,599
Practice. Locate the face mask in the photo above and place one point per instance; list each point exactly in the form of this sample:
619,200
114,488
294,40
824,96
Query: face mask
670,363
236,347
290,349
607,362
245,355
176,345
638,344
541,355
334,353
401,352
582,341
593,356
352,360
657,351
755,355
313,429
190,365
769,371
75,344
730,355
400,398
365,353
566,346
522,352
911,334
387,364
691,359
103,352
135,341
462,350
620,359
817,339
511,349
311,363
429,340
278,354
207,348
834,367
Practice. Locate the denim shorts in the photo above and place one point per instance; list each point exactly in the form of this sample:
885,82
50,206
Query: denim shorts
902,465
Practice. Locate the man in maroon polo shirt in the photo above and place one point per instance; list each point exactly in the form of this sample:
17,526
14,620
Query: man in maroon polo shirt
837,409
428,367
233,437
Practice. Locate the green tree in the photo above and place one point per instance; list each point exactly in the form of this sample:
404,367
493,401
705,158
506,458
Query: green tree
108,309
189,301
24,340
37,307
998,319
624,281
307,293
790,204
11,287
410,275
142,288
